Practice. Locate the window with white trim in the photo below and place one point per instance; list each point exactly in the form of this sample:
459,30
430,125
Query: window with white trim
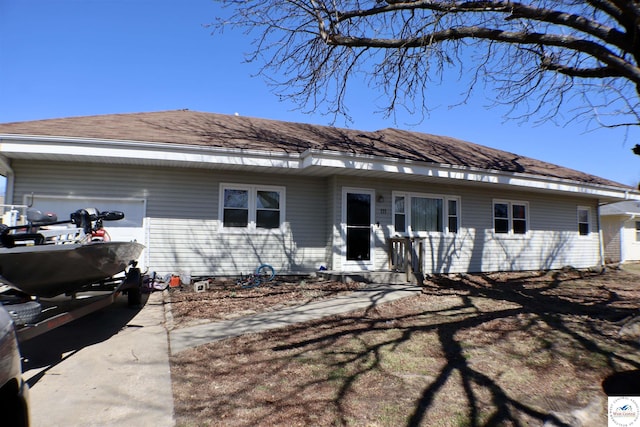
510,217
452,215
415,213
637,231
251,207
399,214
584,214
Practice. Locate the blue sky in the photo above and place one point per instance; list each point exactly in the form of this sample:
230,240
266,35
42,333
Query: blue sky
62,58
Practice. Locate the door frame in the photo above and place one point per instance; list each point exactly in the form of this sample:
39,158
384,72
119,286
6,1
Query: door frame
348,265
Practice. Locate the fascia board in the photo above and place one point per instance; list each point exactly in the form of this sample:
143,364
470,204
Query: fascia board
620,213
109,149
169,152
468,174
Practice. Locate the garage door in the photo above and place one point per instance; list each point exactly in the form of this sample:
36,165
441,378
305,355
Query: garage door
131,228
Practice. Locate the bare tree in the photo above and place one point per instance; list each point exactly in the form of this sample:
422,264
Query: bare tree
537,56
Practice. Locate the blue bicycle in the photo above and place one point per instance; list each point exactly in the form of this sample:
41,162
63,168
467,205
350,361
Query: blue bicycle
264,273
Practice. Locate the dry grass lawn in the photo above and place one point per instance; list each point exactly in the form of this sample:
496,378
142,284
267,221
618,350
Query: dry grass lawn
471,350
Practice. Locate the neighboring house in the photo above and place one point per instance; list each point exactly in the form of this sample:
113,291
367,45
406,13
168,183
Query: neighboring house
214,194
621,231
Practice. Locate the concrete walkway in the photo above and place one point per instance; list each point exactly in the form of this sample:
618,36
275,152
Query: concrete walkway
185,338
112,367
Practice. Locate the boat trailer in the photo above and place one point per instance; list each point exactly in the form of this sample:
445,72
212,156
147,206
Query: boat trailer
52,276
41,315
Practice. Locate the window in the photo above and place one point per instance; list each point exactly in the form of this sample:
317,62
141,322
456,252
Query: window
399,214
426,214
268,209
637,231
236,208
519,219
452,215
583,221
501,217
510,217
252,207
418,213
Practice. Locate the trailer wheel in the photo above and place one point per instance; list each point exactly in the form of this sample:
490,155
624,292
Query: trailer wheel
133,284
24,313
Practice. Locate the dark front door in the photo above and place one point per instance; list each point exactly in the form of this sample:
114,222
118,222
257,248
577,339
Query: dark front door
358,223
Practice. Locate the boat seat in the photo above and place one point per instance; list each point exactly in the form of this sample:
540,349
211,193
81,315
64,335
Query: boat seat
36,216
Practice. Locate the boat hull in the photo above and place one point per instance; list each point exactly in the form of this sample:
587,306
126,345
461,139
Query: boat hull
50,270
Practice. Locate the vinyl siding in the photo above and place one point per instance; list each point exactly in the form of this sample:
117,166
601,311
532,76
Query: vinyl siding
551,243
631,247
619,238
611,228
183,230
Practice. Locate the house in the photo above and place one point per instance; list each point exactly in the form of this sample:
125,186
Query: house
213,194
621,231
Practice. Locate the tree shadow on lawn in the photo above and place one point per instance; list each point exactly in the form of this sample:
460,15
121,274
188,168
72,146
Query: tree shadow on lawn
550,308
559,328
541,305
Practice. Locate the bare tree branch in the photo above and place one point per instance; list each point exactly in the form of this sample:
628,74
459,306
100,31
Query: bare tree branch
544,56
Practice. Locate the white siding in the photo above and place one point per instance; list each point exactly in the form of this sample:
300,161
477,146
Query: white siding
611,228
183,230
182,215
630,245
619,238
552,242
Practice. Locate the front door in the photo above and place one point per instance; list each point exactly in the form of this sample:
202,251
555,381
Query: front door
358,220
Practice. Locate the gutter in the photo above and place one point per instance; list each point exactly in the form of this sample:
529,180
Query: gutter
185,154
322,158
600,237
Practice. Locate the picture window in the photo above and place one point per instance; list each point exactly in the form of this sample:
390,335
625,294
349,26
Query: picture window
420,213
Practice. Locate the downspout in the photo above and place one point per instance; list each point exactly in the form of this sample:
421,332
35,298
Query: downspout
600,237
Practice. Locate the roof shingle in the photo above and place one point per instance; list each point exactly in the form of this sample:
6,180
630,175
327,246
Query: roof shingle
239,132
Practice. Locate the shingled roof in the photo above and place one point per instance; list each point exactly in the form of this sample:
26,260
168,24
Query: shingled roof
239,132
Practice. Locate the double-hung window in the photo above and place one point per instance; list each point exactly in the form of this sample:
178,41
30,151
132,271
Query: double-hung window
419,214
252,207
583,221
400,214
510,217
452,215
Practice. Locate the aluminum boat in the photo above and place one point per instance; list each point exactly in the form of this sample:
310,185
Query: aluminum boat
53,269
41,260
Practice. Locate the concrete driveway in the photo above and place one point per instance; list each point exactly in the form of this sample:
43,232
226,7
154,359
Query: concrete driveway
108,368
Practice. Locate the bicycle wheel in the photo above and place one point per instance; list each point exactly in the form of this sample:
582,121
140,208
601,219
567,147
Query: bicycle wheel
265,273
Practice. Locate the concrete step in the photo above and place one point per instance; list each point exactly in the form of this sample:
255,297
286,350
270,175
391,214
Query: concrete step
389,277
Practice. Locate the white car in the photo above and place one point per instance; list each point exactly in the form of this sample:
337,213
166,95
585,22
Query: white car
14,408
